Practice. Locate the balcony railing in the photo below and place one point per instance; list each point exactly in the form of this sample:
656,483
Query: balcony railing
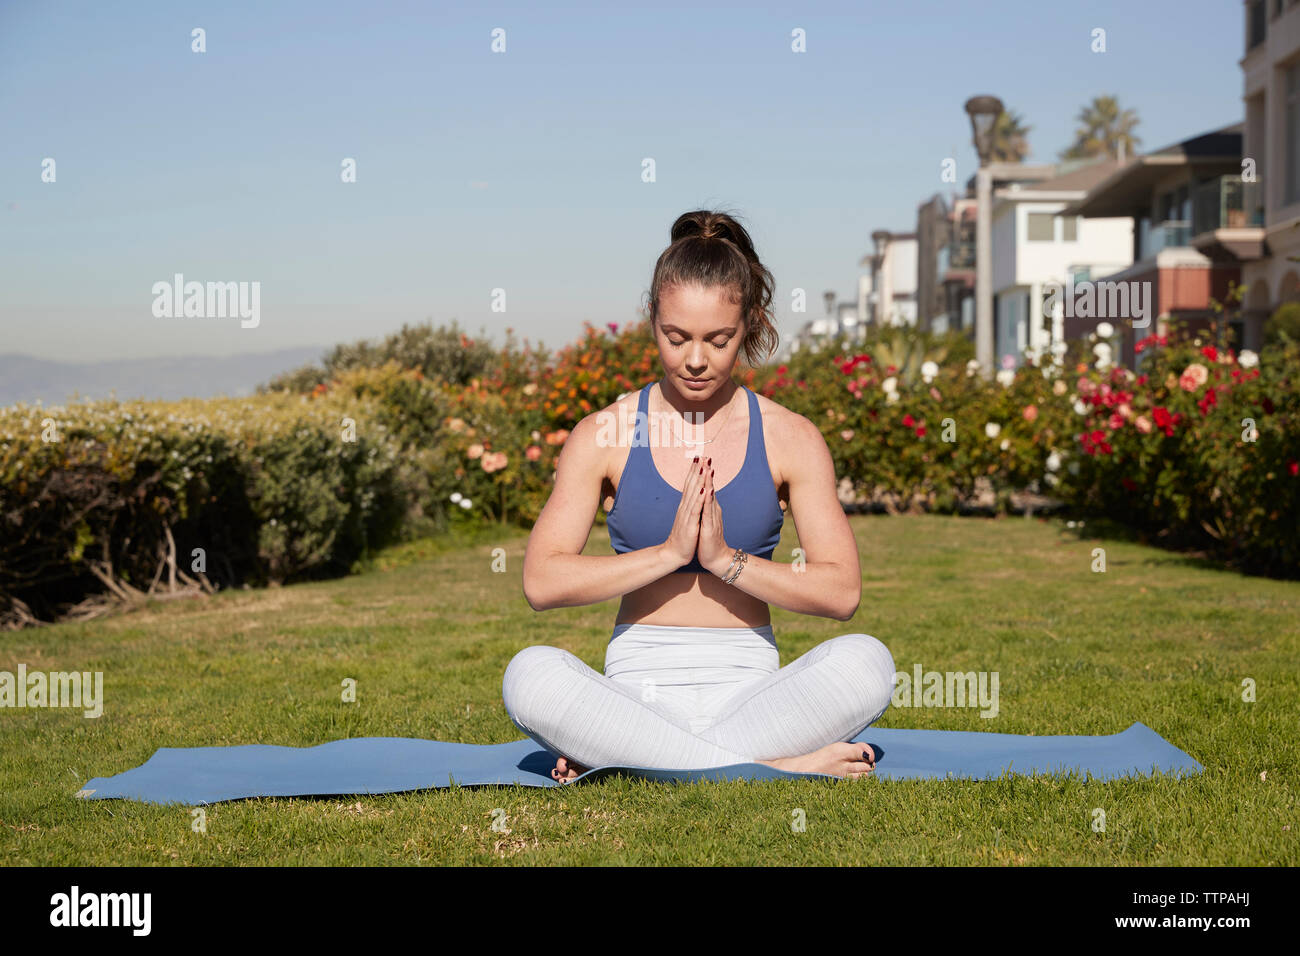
1166,235
1226,202
962,256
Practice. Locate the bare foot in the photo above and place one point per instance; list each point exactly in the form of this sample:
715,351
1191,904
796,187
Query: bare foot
565,770
839,759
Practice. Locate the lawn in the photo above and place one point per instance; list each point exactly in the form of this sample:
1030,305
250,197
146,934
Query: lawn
428,630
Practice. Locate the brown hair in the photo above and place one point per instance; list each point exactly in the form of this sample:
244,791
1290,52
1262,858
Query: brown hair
713,250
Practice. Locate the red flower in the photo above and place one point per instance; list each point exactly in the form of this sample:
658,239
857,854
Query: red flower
1141,380
780,370
1211,353
1164,421
1294,468
908,420
1267,405
1209,401
1129,484
920,431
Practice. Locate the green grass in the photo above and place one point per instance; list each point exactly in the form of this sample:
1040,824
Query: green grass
428,630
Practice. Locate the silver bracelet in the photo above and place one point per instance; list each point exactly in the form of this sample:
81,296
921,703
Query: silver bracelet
743,558
735,555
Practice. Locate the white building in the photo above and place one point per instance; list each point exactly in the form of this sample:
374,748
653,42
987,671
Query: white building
1037,252
893,278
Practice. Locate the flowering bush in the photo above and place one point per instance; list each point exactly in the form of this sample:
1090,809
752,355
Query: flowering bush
1199,447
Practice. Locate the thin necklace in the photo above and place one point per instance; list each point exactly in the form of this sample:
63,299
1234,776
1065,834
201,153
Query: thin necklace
705,441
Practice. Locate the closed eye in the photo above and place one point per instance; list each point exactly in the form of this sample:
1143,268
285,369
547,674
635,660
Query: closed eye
716,345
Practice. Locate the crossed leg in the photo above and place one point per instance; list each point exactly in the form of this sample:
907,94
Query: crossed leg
797,718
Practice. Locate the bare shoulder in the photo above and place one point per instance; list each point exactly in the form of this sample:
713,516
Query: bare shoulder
790,438
609,430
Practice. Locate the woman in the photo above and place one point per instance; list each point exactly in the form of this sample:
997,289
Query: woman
692,672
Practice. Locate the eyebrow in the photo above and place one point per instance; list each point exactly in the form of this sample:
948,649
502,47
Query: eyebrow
672,328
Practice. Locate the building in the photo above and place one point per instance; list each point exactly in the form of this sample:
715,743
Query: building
956,270
1038,252
933,236
1250,216
1174,271
892,299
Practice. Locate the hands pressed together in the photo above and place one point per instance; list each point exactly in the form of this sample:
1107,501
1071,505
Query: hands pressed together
697,528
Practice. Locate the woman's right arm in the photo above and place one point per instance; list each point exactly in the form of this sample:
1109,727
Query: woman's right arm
557,573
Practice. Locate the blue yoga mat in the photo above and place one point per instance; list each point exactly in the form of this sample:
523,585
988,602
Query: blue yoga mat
370,765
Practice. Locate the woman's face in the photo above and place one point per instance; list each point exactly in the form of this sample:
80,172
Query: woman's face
699,333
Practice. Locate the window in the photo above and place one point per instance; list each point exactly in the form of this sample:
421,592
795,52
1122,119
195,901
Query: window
1071,225
1041,227
1256,14
1293,134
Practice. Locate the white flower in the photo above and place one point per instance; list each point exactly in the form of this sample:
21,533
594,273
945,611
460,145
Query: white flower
456,496
1248,359
890,384
466,503
891,398
1005,377
1006,443
1069,524
928,371
1101,350
972,367
1105,330
1051,480
1080,407
1053,462
992,429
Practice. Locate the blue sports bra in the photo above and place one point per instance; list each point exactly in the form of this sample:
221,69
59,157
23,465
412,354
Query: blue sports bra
751,512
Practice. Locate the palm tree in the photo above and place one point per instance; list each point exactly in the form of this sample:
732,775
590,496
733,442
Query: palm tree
1103,129
1009,142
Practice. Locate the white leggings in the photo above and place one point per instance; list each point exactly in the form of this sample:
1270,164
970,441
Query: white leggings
695,697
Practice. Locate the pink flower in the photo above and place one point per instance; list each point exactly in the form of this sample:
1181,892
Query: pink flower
474,451
1030,413
1193,377
934,393
532,452
494,461
847,434
1116,421
1143,424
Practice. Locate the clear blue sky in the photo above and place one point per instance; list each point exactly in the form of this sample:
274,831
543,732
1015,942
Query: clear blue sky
519,170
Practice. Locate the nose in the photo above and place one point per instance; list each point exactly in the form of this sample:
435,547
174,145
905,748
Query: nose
697,363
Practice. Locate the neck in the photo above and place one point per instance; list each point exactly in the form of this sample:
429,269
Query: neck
701,410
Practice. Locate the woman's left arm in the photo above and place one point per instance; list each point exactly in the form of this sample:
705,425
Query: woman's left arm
827,581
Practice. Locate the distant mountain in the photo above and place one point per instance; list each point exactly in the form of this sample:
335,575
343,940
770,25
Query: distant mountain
27,379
